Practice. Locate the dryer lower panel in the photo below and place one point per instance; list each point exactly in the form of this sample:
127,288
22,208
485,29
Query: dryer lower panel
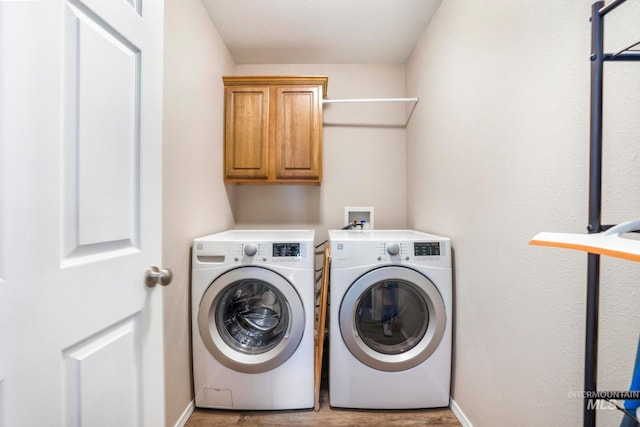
352,384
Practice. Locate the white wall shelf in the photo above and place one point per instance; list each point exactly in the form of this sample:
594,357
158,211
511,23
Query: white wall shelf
376,100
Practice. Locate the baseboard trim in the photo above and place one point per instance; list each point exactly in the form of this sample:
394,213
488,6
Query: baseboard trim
459,414
182,421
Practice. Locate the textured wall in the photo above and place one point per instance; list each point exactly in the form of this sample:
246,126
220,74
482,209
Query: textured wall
497,151
195,201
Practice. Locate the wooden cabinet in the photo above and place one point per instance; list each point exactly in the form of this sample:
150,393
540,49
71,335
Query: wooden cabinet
273,129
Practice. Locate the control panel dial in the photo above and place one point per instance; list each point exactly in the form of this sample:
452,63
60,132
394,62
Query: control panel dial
250,249
393,249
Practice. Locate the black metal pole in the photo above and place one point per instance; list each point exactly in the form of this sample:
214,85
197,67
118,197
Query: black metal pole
591,341
595,203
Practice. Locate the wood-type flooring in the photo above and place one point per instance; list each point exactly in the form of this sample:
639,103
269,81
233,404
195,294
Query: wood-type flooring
325,417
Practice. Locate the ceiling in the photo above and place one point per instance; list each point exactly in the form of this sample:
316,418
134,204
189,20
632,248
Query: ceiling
321,31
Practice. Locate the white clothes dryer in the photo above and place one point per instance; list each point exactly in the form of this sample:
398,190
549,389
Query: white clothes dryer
390,319
253,319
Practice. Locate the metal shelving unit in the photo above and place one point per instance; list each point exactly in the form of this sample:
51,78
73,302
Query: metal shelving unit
605,243
598,57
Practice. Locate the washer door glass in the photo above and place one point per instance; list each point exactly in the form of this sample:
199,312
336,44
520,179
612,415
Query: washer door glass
392,318
252,316
251,319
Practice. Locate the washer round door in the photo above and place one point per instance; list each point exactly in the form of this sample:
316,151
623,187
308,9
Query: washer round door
251,319
392,318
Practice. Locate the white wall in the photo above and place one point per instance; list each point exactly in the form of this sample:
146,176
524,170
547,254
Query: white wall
497,150
363,155
195,201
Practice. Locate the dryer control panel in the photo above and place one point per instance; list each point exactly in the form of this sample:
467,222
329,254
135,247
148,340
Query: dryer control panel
426,248
349,248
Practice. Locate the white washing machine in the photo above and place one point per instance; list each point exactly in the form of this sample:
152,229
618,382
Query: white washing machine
253,319
390,319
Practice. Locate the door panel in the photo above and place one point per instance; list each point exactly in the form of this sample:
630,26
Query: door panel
102,139
298,132
100,392
80,174
246,132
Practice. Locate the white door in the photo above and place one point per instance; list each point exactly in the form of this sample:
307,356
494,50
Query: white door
80,152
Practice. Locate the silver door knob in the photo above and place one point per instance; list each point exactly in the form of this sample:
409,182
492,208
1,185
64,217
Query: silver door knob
157,276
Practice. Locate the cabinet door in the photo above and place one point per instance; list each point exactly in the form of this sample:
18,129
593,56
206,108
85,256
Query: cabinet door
246,139
298,133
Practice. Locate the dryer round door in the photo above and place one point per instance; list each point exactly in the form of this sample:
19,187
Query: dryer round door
392,318
251,319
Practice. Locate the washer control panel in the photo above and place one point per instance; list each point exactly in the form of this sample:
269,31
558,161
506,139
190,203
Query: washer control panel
286,249
259,252
290,248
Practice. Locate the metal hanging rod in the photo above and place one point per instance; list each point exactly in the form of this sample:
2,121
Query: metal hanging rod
354,100
609,7
629,53
629,56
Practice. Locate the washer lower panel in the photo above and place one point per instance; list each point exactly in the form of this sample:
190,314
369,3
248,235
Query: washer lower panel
289,386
